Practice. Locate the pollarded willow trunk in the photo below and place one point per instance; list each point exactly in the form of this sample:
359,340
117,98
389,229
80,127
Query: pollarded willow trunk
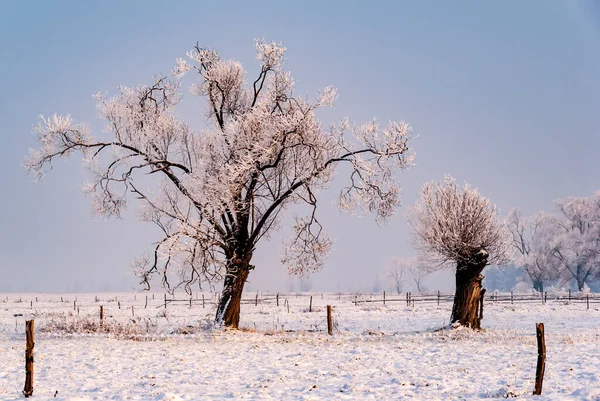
228,310
468,294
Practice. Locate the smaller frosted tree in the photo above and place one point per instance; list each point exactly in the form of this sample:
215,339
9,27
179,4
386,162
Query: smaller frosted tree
578,240
535,241
458,227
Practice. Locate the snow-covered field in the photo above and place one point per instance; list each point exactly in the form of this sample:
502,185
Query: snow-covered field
377,352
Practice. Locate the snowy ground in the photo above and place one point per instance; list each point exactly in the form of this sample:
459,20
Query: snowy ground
377,352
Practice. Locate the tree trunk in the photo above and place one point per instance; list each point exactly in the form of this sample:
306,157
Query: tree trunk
228,310
468,290
538,285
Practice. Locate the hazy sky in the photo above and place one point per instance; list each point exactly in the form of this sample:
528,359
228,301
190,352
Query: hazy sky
504,95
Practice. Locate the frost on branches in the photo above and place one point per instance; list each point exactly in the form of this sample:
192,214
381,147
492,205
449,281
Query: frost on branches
457,226
578,242
220,190
535,241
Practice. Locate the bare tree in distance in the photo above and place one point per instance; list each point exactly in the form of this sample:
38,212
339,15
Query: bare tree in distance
418,270
395,269
536,243
218,191
458,227
399,269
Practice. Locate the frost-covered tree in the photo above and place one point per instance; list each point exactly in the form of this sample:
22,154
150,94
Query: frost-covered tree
535,240
578,241
458,227
221,189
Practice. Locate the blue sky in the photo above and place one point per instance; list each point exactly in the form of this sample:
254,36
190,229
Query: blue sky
504,95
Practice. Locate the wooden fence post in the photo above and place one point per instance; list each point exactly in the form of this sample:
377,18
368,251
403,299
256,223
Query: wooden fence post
165,301
569,295
29,344
146,305
310,305
541,361
256,299
101,315
438,298
132,312
74,305
587,300
277,297
511,297
329,321
384,298
119,303
202,300
545,296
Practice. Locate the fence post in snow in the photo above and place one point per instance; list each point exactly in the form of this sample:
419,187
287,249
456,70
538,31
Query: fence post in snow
569,295
146,304
541,361
277,298
101,315
310,305
587,300
165,301
202,300
329,321
511,297
545,296
438,298
29,344
384,298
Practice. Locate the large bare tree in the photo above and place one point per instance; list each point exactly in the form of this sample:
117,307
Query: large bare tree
219,190
458,227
